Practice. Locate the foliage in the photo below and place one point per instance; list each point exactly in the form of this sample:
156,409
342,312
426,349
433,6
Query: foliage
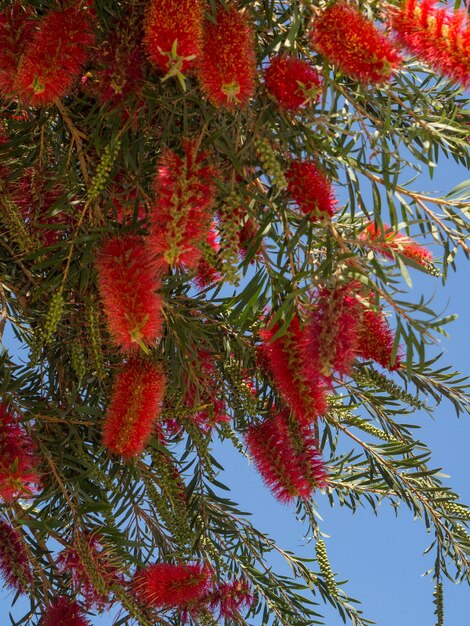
241,264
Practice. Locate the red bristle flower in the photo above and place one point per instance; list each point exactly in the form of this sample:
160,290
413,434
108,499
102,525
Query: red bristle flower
286,455
54,57
206,273
331,332
284,359
292,81
134,407
70,562
180,219
171,586
119,65
376,339
386,241
228,599
15,567
18,477
311,190
128,284
64,612
173,34
353,43
439,37
16,29
227,69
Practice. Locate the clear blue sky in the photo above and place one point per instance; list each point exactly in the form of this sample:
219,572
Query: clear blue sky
381,556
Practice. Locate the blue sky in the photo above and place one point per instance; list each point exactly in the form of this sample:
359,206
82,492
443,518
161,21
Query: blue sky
381,556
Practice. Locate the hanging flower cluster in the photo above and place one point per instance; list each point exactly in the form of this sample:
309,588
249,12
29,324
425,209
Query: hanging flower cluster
15,567
436,35
386,241
64,612
376,340
283,356
134,408
71,562
207,274
173,34
294,83
54,56
286,455
227,69
180,218
16,31
18,474
311,190
351,42
189,587
331,332
128,285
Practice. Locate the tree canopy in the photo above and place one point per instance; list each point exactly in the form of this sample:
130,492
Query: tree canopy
211,215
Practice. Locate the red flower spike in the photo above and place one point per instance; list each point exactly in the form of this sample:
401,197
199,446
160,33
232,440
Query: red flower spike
376,340
15,567
353,43
286,455
16,30
64,612
119,65
128,282
134,408
437,36
18,477
54,57
207,274
284,359
180,219
171,586
293,82
331,333
311,190
386,241
69,561
227,69
228,599
173,35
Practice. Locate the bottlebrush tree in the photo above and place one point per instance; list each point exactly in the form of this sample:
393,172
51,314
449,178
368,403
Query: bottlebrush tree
211,214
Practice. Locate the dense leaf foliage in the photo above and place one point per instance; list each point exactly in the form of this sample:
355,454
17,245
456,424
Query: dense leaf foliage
210,213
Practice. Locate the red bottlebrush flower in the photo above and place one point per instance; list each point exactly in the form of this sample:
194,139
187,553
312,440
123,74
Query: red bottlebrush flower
34,195
228,599
353,43
284,358
437,36
134,408
227,68
376,340
128,282
331,333
69,561
311,190
16,29
293,82
206,273
55,55
286,455
385,240
119,65
64,612
18,477
173,34
180,219
15,567
171,586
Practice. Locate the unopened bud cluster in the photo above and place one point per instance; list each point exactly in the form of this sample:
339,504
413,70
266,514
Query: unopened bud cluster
325,568
230,236
53,316
77,359
103,170
269,162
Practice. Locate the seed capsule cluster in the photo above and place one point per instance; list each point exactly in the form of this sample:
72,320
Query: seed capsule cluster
325,568
269,162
